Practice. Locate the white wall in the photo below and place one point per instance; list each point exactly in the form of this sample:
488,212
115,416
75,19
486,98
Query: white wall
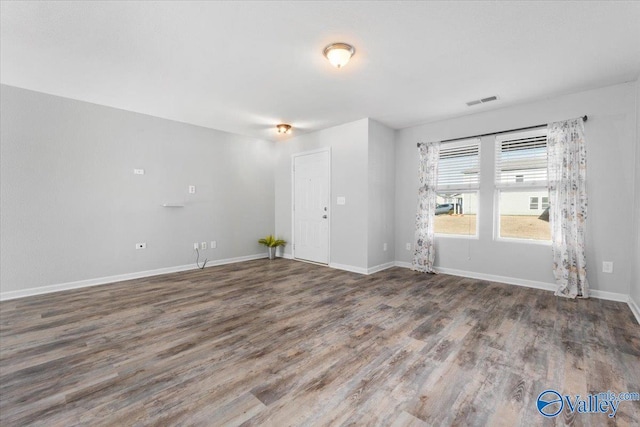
611,145
362,171
72,209
381,211
635,279
349,155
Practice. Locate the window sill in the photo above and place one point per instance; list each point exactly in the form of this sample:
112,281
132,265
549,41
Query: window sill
457,236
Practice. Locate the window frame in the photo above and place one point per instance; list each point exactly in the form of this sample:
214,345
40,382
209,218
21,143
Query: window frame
542,203
531,203
496,218
462,189
498,140
515,187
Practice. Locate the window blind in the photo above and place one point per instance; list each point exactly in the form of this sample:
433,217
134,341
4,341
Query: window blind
459,165
521,159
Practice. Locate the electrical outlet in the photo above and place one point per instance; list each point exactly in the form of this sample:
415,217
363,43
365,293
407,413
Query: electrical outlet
196,246
408,246
141,246
192,189
138,171
384,247
607,267
214,244
203,245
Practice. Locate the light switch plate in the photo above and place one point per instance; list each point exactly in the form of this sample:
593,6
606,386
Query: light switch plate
607,267
192,189
138,171
341,200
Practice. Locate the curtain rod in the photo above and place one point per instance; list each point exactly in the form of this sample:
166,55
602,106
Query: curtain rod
584,118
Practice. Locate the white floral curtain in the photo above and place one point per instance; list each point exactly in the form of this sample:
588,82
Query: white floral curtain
567,167
424,254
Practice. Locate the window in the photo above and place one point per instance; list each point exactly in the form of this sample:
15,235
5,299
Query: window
457,188
521,186
545,203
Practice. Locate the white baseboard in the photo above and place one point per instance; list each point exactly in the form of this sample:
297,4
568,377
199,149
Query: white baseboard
361,270
119,278
611,296
403,264
380,267
501,279
634,309
350,268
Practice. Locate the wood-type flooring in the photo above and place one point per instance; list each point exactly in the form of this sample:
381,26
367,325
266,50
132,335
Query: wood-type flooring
289,343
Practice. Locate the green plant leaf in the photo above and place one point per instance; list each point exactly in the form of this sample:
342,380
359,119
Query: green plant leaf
271,242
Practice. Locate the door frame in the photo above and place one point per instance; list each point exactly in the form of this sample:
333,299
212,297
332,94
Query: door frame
293,201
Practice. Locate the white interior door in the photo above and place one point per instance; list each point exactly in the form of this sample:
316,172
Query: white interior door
311,207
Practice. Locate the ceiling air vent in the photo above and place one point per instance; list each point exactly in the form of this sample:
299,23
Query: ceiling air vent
481,101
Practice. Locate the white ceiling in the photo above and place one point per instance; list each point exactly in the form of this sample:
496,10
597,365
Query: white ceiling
243,67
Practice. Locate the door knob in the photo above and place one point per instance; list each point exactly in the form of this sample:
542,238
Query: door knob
324,216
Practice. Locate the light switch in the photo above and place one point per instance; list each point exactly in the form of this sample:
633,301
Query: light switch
607,267
192,189
341,200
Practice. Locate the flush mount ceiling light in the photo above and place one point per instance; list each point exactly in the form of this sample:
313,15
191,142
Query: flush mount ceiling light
339,54
284,128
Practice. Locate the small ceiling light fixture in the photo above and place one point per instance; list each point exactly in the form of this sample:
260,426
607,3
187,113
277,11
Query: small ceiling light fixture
284,128
339,54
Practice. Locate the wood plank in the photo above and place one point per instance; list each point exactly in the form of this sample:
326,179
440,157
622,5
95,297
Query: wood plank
289,343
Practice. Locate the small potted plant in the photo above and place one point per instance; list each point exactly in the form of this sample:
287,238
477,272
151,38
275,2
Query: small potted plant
272,244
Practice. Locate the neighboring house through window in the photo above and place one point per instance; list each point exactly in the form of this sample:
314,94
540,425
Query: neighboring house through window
521,185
